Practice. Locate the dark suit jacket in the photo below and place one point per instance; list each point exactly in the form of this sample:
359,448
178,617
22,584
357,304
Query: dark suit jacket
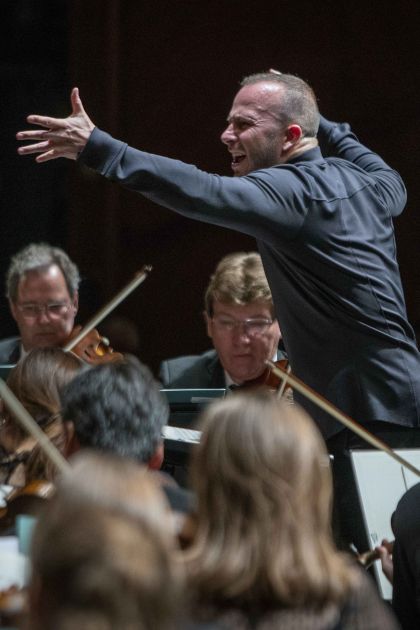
9,350
324,231
406,558
202,371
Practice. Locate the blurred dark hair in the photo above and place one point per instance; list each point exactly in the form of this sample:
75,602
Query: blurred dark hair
118,408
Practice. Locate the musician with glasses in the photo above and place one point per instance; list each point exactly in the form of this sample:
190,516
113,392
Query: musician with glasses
240,321
42,287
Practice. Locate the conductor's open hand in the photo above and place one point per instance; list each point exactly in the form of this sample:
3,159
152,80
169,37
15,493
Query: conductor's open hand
61,137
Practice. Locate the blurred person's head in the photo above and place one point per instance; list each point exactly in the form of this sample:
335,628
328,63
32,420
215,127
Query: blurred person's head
42,288
239,315
263,482
117,408
102,552
36,381
114,481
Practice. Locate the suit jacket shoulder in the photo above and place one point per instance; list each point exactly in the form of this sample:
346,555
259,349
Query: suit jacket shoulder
202,371
193,371
9,350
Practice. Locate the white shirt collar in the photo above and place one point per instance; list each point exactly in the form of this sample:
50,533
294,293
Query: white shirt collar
229,380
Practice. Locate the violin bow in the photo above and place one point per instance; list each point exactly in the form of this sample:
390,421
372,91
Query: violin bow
283,385
325,405
139,277
19,411
30,426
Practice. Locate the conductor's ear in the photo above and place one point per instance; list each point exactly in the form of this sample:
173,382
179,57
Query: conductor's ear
293,135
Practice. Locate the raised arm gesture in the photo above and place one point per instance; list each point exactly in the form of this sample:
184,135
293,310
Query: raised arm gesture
61,137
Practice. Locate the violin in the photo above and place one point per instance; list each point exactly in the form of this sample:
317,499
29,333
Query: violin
31,427
87,343
269,379
93,348
27,500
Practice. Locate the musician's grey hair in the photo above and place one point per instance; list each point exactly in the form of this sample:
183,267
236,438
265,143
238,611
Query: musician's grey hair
39,257
117,408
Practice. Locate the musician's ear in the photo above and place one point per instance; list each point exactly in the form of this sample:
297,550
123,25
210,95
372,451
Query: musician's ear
208,322
13,310
76,302
156,461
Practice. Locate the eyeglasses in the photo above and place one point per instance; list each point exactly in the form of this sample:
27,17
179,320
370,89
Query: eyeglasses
253,327
53,310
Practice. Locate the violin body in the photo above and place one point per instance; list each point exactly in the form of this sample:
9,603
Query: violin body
267,378
93,348
86,342
27,500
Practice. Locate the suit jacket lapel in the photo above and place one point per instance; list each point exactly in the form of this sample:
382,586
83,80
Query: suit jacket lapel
15,354
216,372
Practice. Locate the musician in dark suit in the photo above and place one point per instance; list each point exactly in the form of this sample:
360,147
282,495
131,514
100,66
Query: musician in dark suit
401,565
240,321
42,287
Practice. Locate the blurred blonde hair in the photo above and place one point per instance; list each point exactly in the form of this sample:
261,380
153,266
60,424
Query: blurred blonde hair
118,483
102,552
264,490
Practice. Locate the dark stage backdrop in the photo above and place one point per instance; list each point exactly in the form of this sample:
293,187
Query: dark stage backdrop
33,76
161,76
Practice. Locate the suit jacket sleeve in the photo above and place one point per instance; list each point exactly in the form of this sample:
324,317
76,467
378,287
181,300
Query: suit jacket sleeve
270,199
